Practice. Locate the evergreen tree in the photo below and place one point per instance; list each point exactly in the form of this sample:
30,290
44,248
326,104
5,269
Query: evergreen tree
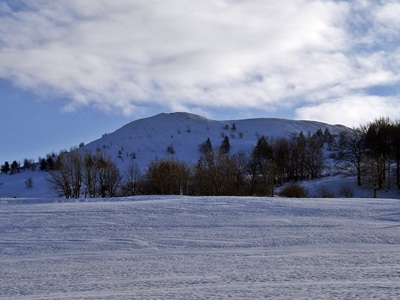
225,145
42,164
205,147
27,163
49,163
329,138
15,168
5,168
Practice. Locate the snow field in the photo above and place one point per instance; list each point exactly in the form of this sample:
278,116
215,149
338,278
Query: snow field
200,248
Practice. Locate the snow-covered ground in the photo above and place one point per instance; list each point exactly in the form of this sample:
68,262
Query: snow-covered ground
200,248
15,186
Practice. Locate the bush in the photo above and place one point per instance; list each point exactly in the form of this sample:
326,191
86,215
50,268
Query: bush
167,177
346,191
29,183
293,191
324,192
170,149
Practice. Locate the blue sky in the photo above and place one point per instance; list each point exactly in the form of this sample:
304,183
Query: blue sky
72,70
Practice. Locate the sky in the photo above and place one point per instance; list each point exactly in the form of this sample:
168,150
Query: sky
72,70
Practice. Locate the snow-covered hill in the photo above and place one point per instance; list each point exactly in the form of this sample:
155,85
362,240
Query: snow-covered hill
149,139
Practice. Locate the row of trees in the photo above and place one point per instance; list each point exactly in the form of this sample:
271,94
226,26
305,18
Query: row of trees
12,169
45,164
372,151
217,172
74,174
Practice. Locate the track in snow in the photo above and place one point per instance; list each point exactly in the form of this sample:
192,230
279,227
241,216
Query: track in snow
200,248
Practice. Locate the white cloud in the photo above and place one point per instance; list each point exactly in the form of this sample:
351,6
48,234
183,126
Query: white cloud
196,55
388,15
351,111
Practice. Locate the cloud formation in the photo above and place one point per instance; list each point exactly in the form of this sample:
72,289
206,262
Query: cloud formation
325,60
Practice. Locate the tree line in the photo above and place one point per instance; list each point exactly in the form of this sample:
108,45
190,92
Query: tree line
217,172
371,152
74,175
44,164
273,161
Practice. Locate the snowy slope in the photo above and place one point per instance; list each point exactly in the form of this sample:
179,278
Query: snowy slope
148,139
200,248
14,186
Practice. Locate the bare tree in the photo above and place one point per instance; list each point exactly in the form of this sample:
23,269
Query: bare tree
314,157
66,175
109,178
281,158
262,167
97,175
352,151
75,163
132,179
377,141
89,175
238,170
211,173
395,142
60,178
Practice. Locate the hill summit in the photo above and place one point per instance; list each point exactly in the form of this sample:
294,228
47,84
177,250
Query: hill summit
178,136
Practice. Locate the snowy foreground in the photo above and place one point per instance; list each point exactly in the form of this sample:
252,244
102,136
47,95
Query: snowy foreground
200,248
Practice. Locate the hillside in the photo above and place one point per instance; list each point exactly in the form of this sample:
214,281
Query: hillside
148,139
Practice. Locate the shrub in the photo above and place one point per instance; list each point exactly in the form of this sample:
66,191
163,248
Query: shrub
346,191
29,183
170,149
293,191
324,192
167,177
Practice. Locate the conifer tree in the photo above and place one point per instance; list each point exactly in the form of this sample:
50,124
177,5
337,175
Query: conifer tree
206,147
5,168
225,145
15,168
